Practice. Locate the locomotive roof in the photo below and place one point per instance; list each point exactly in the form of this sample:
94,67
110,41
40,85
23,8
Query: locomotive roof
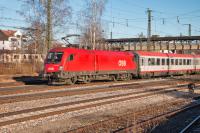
64,49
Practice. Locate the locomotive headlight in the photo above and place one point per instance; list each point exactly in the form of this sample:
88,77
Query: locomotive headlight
60,68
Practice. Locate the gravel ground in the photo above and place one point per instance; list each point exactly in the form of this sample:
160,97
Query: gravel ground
76,119
16,106
178,122
10,107
71,120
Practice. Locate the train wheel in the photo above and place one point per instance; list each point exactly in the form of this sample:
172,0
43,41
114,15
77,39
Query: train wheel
129,77
50,81
71,81
87,80
113,78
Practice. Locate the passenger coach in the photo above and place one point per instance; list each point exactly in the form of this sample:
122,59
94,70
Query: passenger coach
158,64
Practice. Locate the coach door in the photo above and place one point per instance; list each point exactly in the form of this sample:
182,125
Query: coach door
138,59
168,64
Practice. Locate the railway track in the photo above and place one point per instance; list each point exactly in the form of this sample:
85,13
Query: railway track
75,106
10,84
83,90
143,120
193,126
19,87
33,88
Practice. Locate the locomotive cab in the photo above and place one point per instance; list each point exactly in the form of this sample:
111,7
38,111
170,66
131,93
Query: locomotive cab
53,66
53,61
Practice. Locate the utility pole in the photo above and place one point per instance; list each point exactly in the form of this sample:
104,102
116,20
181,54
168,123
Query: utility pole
189,29
49,25
149,29
94,23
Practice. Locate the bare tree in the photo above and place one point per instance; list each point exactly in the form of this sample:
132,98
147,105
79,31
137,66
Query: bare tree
47,18
92,23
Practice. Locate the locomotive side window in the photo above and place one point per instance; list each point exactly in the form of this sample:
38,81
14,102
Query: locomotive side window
71,57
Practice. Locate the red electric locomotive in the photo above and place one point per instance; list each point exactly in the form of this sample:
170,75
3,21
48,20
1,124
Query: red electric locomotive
71,65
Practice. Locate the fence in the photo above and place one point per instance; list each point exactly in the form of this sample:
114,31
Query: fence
20,68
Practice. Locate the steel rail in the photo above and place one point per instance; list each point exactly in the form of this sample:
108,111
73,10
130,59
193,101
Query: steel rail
190,125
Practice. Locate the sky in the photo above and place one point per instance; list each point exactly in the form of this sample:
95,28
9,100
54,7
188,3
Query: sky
124,18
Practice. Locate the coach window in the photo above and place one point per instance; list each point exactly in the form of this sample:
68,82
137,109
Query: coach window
71,57
184,62
149,62
158,62
142,61
167,61
180,61
172,61
163,62
176,62
189,62
153,61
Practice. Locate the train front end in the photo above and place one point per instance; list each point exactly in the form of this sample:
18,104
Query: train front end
53,65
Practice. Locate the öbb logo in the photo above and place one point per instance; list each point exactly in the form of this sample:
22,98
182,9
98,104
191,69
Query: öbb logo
122,63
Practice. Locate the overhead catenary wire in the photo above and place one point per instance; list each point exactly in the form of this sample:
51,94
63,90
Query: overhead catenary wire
115,21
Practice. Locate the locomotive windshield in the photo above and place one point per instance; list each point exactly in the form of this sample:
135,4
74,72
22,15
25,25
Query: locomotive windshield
54,57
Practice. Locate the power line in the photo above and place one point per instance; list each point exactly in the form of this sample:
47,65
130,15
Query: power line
12,19
17,27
